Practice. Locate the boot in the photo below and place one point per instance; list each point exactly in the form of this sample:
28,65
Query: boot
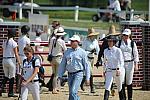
123,90
91,84
106,95
121,95
50,83
82,83
129,91
112,90
3,85
11,85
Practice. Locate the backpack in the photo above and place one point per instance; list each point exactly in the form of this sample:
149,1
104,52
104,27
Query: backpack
132,46
41,69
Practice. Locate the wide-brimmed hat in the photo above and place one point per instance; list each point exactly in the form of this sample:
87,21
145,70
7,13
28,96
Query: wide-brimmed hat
59,31
112,31
75,38
127,32
91,32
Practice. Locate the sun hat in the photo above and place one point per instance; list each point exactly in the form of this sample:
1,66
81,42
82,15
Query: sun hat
59,31
91,32
112,31
75,38
127,32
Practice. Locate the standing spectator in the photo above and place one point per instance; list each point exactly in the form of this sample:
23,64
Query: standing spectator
76,63
131,59
57,47
125,5
23,41
113,67
10,54
30,80
91,46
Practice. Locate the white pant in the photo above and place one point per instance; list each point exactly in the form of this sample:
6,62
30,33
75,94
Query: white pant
129,70
34,88
9,67
110,75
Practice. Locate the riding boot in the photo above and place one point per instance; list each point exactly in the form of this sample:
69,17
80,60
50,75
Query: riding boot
123,90
50,83
121,95
106,95
92,85
11,85
3,85
129,91
82,83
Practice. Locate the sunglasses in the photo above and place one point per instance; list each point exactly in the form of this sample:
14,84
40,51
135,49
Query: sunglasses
125,35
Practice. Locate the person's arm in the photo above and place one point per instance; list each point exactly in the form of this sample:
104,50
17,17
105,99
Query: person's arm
136,56
62,66
97,47
17,55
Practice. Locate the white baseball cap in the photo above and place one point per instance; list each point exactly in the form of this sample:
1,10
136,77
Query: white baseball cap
75,37
126,32
59,31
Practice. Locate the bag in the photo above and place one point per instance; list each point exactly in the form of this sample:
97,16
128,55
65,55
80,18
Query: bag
50,57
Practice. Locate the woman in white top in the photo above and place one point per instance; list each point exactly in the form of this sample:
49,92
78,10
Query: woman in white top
10,54
56,48
113,67
91,46
30,79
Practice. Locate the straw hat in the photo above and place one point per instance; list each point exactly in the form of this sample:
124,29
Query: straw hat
112,31
91,32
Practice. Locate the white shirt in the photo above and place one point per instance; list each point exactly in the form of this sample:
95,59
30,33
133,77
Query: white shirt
28,69
8,48
37,45
115,5
113,58
89,45
60,46
127,51
22,42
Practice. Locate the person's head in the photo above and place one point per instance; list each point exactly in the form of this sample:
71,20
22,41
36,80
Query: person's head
55,24
25,29
126,34
92,34
111,39
59,32
39,32
28,51
75,40
11,33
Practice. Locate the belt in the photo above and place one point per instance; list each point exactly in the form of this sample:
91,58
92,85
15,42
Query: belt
8,57
90,57
34,81
113,68
58,56
128,60
75,72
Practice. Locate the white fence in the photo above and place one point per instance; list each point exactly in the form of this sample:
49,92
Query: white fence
75,8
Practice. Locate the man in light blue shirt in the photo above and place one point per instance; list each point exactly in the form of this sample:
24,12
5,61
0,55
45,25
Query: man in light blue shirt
76,63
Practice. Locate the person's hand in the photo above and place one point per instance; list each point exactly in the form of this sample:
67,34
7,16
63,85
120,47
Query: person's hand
117,72
92,51
136,67
87,82
24,83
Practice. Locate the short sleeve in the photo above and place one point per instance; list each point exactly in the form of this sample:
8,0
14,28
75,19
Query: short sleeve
37,63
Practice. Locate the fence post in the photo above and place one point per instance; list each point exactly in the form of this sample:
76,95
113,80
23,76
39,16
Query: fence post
76,13
132,14
20,11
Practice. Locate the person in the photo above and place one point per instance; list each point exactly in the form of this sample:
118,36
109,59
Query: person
38,40
10,54
30,79
75,61
57,47
125,5
112,31
113,67
131,59
91,46
23,41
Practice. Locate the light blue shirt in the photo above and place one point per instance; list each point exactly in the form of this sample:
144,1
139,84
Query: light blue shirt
89,45
73,61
